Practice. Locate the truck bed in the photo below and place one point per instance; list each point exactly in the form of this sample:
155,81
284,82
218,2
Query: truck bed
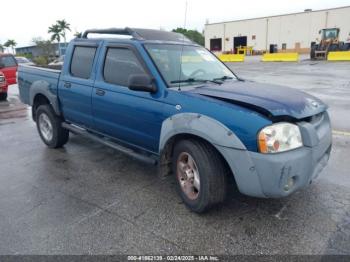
29,76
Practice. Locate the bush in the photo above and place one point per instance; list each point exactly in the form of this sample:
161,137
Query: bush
41,60
26,55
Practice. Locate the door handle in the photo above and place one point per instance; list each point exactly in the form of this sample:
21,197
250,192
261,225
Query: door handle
67,85
100,92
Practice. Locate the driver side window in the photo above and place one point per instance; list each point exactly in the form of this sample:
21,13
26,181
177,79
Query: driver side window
120,63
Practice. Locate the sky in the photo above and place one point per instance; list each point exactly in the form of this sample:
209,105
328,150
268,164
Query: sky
28,19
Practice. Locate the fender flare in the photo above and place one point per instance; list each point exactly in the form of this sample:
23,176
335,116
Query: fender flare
199,125
43,87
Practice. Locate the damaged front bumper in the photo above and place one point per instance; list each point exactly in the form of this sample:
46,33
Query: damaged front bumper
280,174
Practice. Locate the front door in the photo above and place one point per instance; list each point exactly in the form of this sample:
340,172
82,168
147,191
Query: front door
133,117
76,86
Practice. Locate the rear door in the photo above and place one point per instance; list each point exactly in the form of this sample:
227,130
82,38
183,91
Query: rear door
9,68
76,84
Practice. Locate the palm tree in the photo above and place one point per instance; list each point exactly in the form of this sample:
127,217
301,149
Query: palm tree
78,34
63,25
55,32
11,43
1,48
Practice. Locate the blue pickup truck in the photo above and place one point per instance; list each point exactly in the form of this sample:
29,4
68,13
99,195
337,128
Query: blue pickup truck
165,100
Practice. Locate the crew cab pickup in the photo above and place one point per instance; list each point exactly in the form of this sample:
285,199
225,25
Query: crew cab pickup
165,100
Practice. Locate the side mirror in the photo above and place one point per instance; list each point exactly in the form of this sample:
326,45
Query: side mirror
2,65
141,82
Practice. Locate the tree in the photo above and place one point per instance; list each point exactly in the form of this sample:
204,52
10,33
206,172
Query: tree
78,34
11,43
193,35
1,48
55,32
63,26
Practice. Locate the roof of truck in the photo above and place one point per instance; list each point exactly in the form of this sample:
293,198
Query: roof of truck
141,34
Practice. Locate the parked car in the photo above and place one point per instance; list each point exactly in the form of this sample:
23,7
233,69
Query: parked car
23,60
165,100
8,66
3,87
57,62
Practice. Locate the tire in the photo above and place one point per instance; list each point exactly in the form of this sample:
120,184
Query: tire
333,47
46,121
208,167
346,47
3,96
312,52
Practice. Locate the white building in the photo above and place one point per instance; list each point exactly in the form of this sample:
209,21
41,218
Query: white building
290,32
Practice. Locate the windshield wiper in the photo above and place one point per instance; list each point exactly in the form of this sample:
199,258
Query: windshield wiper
223,78
192,80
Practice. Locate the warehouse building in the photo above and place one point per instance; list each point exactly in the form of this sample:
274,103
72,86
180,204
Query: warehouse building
282,33
35,51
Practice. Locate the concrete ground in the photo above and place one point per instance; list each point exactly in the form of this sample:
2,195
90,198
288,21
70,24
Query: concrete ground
88,199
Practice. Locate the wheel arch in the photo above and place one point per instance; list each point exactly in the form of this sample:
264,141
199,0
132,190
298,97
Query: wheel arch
195,126
199,125
40,93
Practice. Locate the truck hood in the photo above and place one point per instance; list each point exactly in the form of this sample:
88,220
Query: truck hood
271,100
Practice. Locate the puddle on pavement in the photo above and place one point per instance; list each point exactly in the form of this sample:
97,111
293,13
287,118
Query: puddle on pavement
13,108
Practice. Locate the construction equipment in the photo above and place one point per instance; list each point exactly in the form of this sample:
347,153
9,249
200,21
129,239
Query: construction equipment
329,43
339,56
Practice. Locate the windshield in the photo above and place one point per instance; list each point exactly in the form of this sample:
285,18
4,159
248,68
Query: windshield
198,64
330,33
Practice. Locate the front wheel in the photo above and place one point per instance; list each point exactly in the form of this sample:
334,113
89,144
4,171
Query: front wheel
200,174
50,127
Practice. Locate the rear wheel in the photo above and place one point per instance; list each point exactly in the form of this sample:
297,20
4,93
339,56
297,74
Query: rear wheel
3,96
333,47
200,174
345,47
312,52
50,127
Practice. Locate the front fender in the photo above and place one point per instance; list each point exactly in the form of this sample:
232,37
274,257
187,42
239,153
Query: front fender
200,125
223,139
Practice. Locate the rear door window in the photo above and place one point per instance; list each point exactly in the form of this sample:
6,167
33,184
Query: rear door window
120,63
8,61
82,61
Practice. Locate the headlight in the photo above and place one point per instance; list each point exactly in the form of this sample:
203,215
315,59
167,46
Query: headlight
279,138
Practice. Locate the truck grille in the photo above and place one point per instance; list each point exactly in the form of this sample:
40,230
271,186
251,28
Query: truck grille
320,123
